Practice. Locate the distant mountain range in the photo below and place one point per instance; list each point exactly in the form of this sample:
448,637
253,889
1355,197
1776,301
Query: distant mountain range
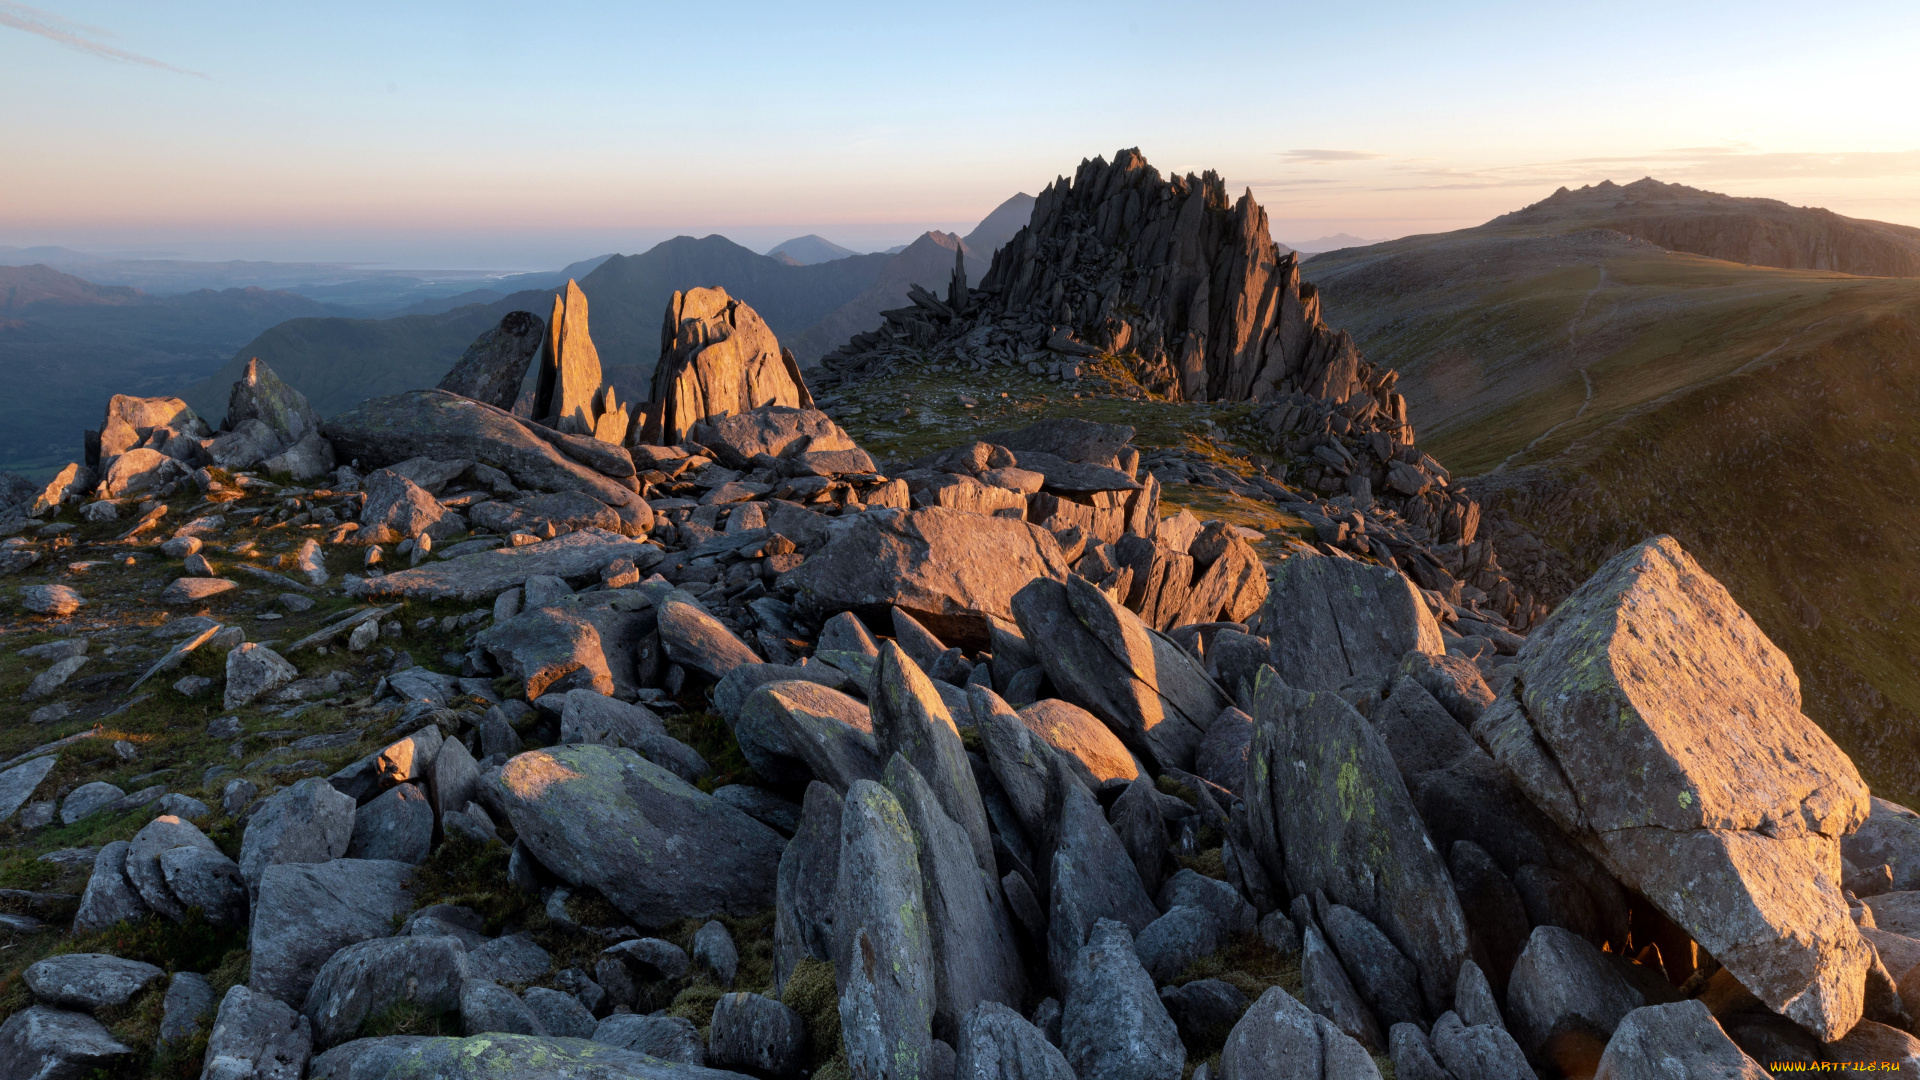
1328,243
1607,383
66,344
809,249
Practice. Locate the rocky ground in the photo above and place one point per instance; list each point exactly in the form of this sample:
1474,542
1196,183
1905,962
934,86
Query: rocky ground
956,738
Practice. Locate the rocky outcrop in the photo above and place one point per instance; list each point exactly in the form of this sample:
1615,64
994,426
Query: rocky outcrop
1731,820
569,394
717,359
493,367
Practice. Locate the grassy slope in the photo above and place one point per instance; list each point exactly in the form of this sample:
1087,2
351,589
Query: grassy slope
1761,416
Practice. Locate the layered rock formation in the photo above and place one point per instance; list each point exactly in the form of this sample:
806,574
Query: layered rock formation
717,358
570,395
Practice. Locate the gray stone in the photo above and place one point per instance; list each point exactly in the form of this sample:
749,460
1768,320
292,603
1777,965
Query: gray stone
996,1043
1682,1039
730,694
485,1006
1454,681
1479,1050
522,1057
1278,1039
1223,753
109,897
453,779
951,570
578,556
403,761
515,958
1564,998
774,430
911,720
882,951
143,865
698,641
1890,836
649,959
1205,1010
259,394
53,678
793,732
307,459
761,805
256,1037
84,801
396,825
181,806
38,1043
1385,979
757,1034
590,717
1175,940
1091,879
1021,763
668,1038
1150,691
254,670
56,600
1137,821
1730,825
88,981
203,877
1189,887
1113,1026
1330,993
846,633
493,366
307,912
590,643
194,590
187,1011
1412,1055
1331,619
975,958
371,977
1473,998
655,846
561,1014
714,951
310,822
1328,811
809,874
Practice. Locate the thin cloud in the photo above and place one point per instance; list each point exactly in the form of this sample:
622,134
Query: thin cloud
1321,157
77,36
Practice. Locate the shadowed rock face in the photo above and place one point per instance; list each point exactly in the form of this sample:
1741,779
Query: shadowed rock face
493,366
1731,820
717,359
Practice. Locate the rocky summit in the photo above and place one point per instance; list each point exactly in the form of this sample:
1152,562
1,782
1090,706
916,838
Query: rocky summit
469,732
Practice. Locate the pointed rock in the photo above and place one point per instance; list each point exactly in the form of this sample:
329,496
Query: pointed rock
910,719
717,359
883,953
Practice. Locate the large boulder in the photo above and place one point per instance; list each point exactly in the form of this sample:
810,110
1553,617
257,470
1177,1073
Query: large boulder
578,557
1092,877
882,948
1331,619
949,569
309,911
1278,1039
498,1054
309,822
439,424
1328,811
560,512
493,367
717,359
260,395
1681,1039
1094,752
131,421
1112,1023
1153,694
372,977
974,955
911,720
655,846
396,508
795,731
1565,999
1890,835
997,1043
1730,819
39,1043
88,981
588,642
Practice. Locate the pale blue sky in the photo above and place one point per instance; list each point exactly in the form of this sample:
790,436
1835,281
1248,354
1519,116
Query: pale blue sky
520,136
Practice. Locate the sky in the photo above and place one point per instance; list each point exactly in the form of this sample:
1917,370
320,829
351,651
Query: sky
483,135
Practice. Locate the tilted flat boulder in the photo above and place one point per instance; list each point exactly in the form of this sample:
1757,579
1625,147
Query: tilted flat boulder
1730,815
795,731
1092,878
492,368
560,512
39,1042
1681,1039
1330,619
1328,811
88,981
371,977
577,557
438,424
717,359
1278,1039
1152,693
1095,752
1113,1023
949,569
309,911
655,846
